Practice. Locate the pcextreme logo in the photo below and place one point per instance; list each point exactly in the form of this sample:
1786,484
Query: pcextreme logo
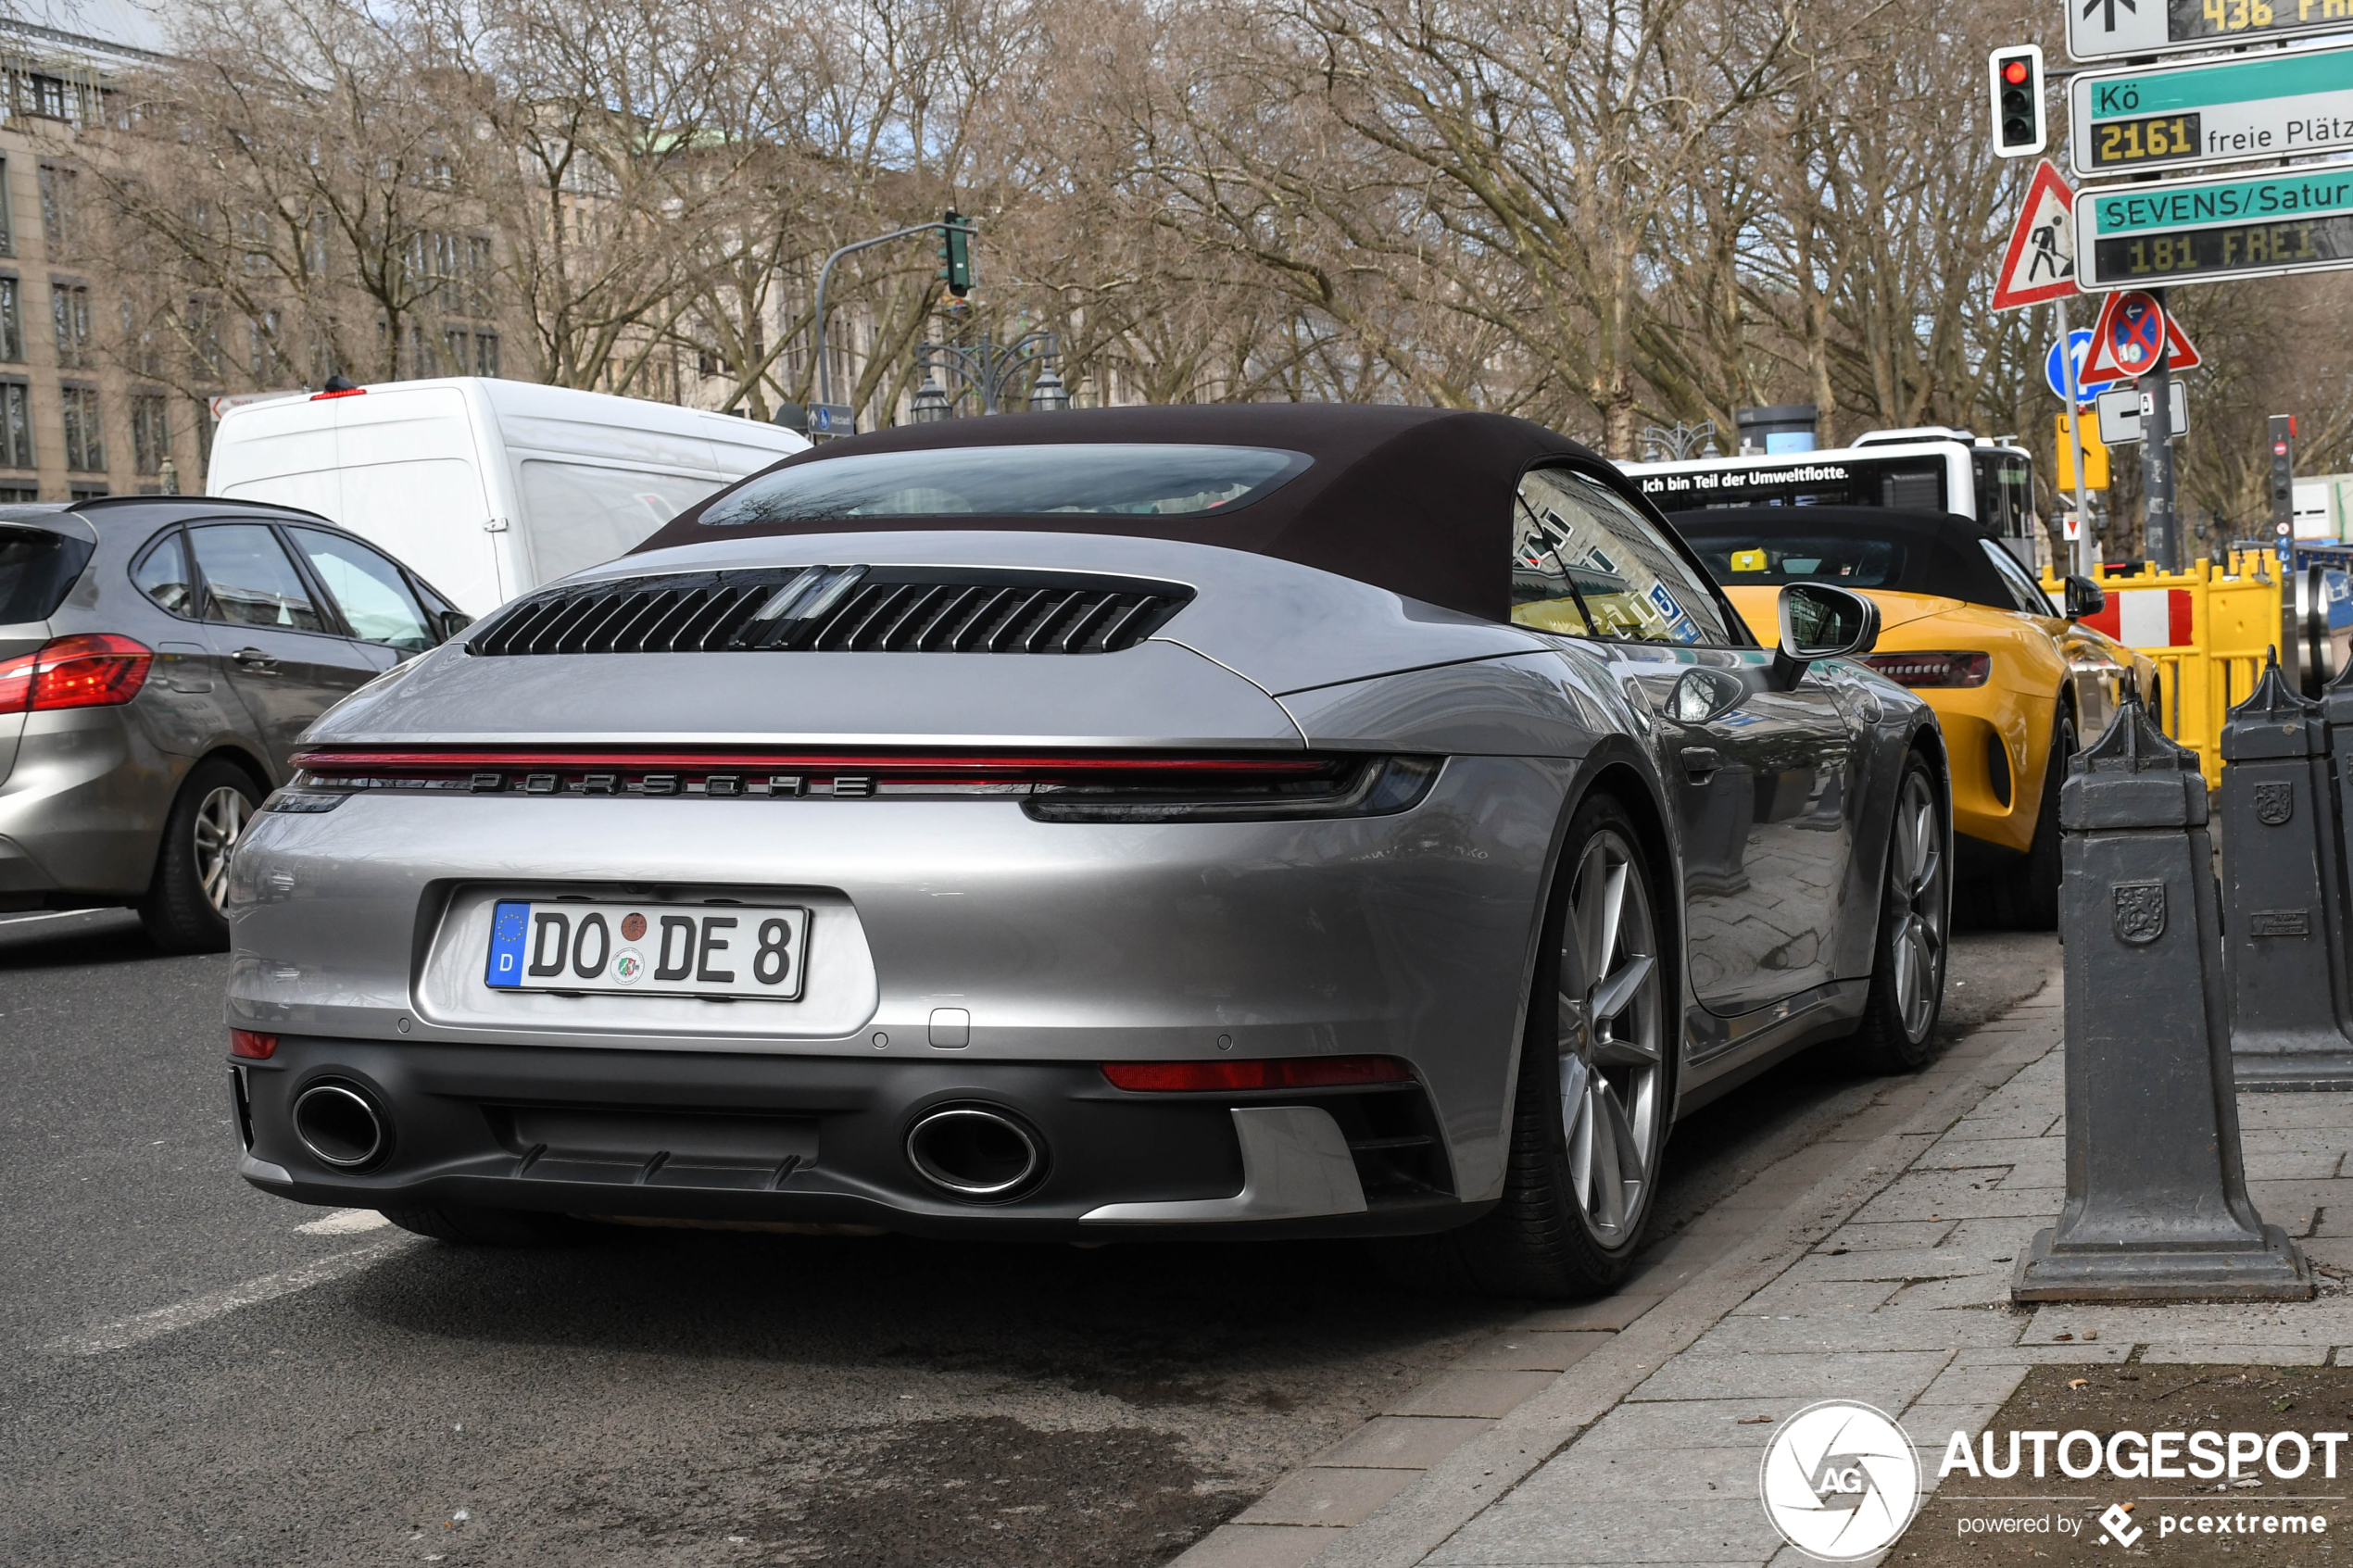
1840,1480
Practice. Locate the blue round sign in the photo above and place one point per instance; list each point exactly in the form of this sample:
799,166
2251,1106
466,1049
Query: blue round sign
2078,342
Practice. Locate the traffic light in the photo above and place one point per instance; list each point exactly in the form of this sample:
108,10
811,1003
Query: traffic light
956,254
2283,473
2016,75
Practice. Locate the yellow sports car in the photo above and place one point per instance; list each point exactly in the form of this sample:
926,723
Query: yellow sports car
2014,683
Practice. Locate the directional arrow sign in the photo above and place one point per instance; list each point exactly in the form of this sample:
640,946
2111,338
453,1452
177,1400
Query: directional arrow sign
2235,109
2106,30
2172,232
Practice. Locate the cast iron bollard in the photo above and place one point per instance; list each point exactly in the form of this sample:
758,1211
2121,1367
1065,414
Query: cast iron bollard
2283,929
2157,1205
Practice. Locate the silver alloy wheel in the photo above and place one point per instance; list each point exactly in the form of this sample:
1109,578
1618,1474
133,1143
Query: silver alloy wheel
220,820
1916,900
1612,1068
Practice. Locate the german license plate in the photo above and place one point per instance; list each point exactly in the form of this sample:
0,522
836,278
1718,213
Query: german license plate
757,953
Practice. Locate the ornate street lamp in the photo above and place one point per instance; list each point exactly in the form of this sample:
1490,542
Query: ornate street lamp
1046,393
931,403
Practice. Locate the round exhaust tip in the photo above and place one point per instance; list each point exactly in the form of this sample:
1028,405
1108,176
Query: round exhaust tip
975,1153
339,1125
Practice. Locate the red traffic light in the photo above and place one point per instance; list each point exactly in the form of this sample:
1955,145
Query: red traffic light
2014,72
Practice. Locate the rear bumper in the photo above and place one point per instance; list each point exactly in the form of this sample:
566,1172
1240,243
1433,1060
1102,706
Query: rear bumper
823,1141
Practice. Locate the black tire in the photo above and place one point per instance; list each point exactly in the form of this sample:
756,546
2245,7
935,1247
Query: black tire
183,909
1916,921
1565,1227
489,1227
2029,900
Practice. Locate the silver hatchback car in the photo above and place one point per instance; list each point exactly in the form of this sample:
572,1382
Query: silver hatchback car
158,655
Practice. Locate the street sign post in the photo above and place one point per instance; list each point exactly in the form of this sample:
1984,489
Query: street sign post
2119,412
2235,110
2177,232
2109,30
2040,263
832,420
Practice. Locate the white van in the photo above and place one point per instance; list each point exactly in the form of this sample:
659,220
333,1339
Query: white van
488,488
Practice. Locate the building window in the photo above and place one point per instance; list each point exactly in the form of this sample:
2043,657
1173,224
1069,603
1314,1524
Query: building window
485,354
85,434
150,430
457,350
69,303
60,211
11,321
18,494
203,327
8,214
86,492
268,360
16,424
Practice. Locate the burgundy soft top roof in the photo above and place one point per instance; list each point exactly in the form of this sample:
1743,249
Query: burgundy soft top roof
1414,500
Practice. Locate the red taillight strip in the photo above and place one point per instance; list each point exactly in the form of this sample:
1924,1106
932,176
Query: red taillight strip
335,759
252,1046
1274,1073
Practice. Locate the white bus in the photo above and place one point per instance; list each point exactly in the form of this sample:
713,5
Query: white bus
1929,467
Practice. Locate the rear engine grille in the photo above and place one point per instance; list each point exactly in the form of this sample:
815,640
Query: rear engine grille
836,609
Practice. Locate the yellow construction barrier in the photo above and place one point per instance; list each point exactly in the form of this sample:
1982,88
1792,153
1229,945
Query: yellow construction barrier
2208,630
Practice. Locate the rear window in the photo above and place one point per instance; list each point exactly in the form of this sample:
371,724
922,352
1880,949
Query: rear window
36,570
1755,561
1131,479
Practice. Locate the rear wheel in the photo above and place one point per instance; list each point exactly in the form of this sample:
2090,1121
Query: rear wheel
186,906
1595,1093
1908,970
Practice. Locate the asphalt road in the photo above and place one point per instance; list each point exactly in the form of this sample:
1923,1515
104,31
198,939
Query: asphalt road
199,1373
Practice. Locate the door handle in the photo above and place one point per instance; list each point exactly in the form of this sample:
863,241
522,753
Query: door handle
1700,762
255,660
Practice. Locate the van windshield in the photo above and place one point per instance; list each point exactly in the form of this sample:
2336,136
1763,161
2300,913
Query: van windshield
1131,479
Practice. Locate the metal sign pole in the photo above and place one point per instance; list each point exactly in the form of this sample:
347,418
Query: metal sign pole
2085,551
2164,530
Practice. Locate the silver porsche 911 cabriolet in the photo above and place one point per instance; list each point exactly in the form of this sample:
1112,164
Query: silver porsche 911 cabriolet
1251,820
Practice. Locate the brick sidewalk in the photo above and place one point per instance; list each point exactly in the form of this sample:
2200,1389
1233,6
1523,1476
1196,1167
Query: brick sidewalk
1873,1264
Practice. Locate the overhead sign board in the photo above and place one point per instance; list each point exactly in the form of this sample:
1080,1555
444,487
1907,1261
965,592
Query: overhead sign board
2040,264
2107,30
2236,109
2122,412
2171,232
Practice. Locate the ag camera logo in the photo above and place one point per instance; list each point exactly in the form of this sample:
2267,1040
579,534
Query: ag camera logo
1839,1481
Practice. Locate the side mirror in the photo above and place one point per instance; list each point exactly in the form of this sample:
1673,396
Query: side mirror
2082,597
1819,621
454,621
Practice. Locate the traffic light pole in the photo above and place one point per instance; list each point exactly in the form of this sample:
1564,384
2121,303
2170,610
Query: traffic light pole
825,275
2164,527
2086,548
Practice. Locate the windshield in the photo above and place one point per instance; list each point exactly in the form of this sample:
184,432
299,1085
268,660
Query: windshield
1131,479
1749,560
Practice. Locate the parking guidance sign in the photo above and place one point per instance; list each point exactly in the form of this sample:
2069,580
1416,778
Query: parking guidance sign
2107,30
2230,111
2203,230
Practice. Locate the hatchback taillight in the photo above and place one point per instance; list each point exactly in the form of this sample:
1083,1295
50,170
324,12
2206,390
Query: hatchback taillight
93,669
1933,669
251,1045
